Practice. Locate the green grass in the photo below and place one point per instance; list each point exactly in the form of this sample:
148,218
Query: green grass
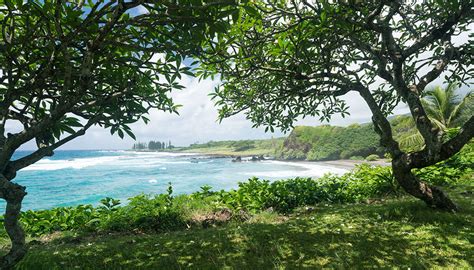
401,233
236,148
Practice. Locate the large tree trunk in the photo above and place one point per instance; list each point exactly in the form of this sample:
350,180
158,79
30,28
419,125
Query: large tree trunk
13,194
431,195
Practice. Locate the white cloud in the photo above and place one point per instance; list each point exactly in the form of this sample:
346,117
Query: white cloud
197,122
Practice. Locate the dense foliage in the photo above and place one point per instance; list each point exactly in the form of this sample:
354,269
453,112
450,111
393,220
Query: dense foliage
66,66
330,142
285,195
356,141
449,171
165,212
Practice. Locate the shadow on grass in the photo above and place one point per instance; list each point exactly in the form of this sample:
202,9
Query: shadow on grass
399,233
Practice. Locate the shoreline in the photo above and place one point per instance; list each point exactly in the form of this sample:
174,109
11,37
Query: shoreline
351,164
347,164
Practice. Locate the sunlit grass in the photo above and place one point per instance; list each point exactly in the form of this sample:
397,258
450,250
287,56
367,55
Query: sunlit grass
395,233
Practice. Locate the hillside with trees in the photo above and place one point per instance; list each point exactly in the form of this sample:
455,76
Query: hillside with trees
266,147
330,143
318,143
356,141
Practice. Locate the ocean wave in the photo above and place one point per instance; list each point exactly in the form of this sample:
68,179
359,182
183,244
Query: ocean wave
309,170
132,161
76,163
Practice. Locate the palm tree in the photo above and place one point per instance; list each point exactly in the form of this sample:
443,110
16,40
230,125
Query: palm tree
445,108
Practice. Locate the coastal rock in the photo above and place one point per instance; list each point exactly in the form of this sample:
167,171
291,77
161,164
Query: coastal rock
214,218
242,215
237,159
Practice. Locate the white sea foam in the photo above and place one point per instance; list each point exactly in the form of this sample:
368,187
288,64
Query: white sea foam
127,158
310,170
153,181
77,163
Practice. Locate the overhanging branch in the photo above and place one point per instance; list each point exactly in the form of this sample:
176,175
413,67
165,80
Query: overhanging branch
423,159
48,150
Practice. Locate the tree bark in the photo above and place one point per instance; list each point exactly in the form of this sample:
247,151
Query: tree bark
433,196
13,195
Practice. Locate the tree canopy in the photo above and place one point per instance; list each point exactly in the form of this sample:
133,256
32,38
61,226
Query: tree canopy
284,60
68,65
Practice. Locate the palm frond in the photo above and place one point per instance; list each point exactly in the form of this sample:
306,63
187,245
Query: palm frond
443,105
412,142
458,109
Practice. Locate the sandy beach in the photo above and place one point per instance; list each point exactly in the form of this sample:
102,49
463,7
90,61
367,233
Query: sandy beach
349,164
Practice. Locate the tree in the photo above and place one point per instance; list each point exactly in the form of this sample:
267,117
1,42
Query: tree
284,60
69,65
445,109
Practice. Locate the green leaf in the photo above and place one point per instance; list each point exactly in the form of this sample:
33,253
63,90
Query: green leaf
252,11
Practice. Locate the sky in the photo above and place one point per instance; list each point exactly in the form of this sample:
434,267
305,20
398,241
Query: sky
197,122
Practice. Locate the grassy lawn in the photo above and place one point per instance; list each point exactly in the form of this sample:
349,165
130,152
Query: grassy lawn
400,233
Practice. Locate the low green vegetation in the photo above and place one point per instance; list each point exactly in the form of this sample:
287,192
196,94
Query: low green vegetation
372,157
397,232
236,148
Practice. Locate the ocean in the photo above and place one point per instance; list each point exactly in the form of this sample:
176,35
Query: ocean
84,176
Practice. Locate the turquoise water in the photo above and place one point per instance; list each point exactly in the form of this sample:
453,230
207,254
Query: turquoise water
83,177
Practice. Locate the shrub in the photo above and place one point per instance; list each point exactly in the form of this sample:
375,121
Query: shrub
81,217
285,195
240,146
345,154
372,157
449,171
357,158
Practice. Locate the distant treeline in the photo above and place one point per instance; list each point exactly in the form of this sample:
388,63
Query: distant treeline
152,145
356,141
